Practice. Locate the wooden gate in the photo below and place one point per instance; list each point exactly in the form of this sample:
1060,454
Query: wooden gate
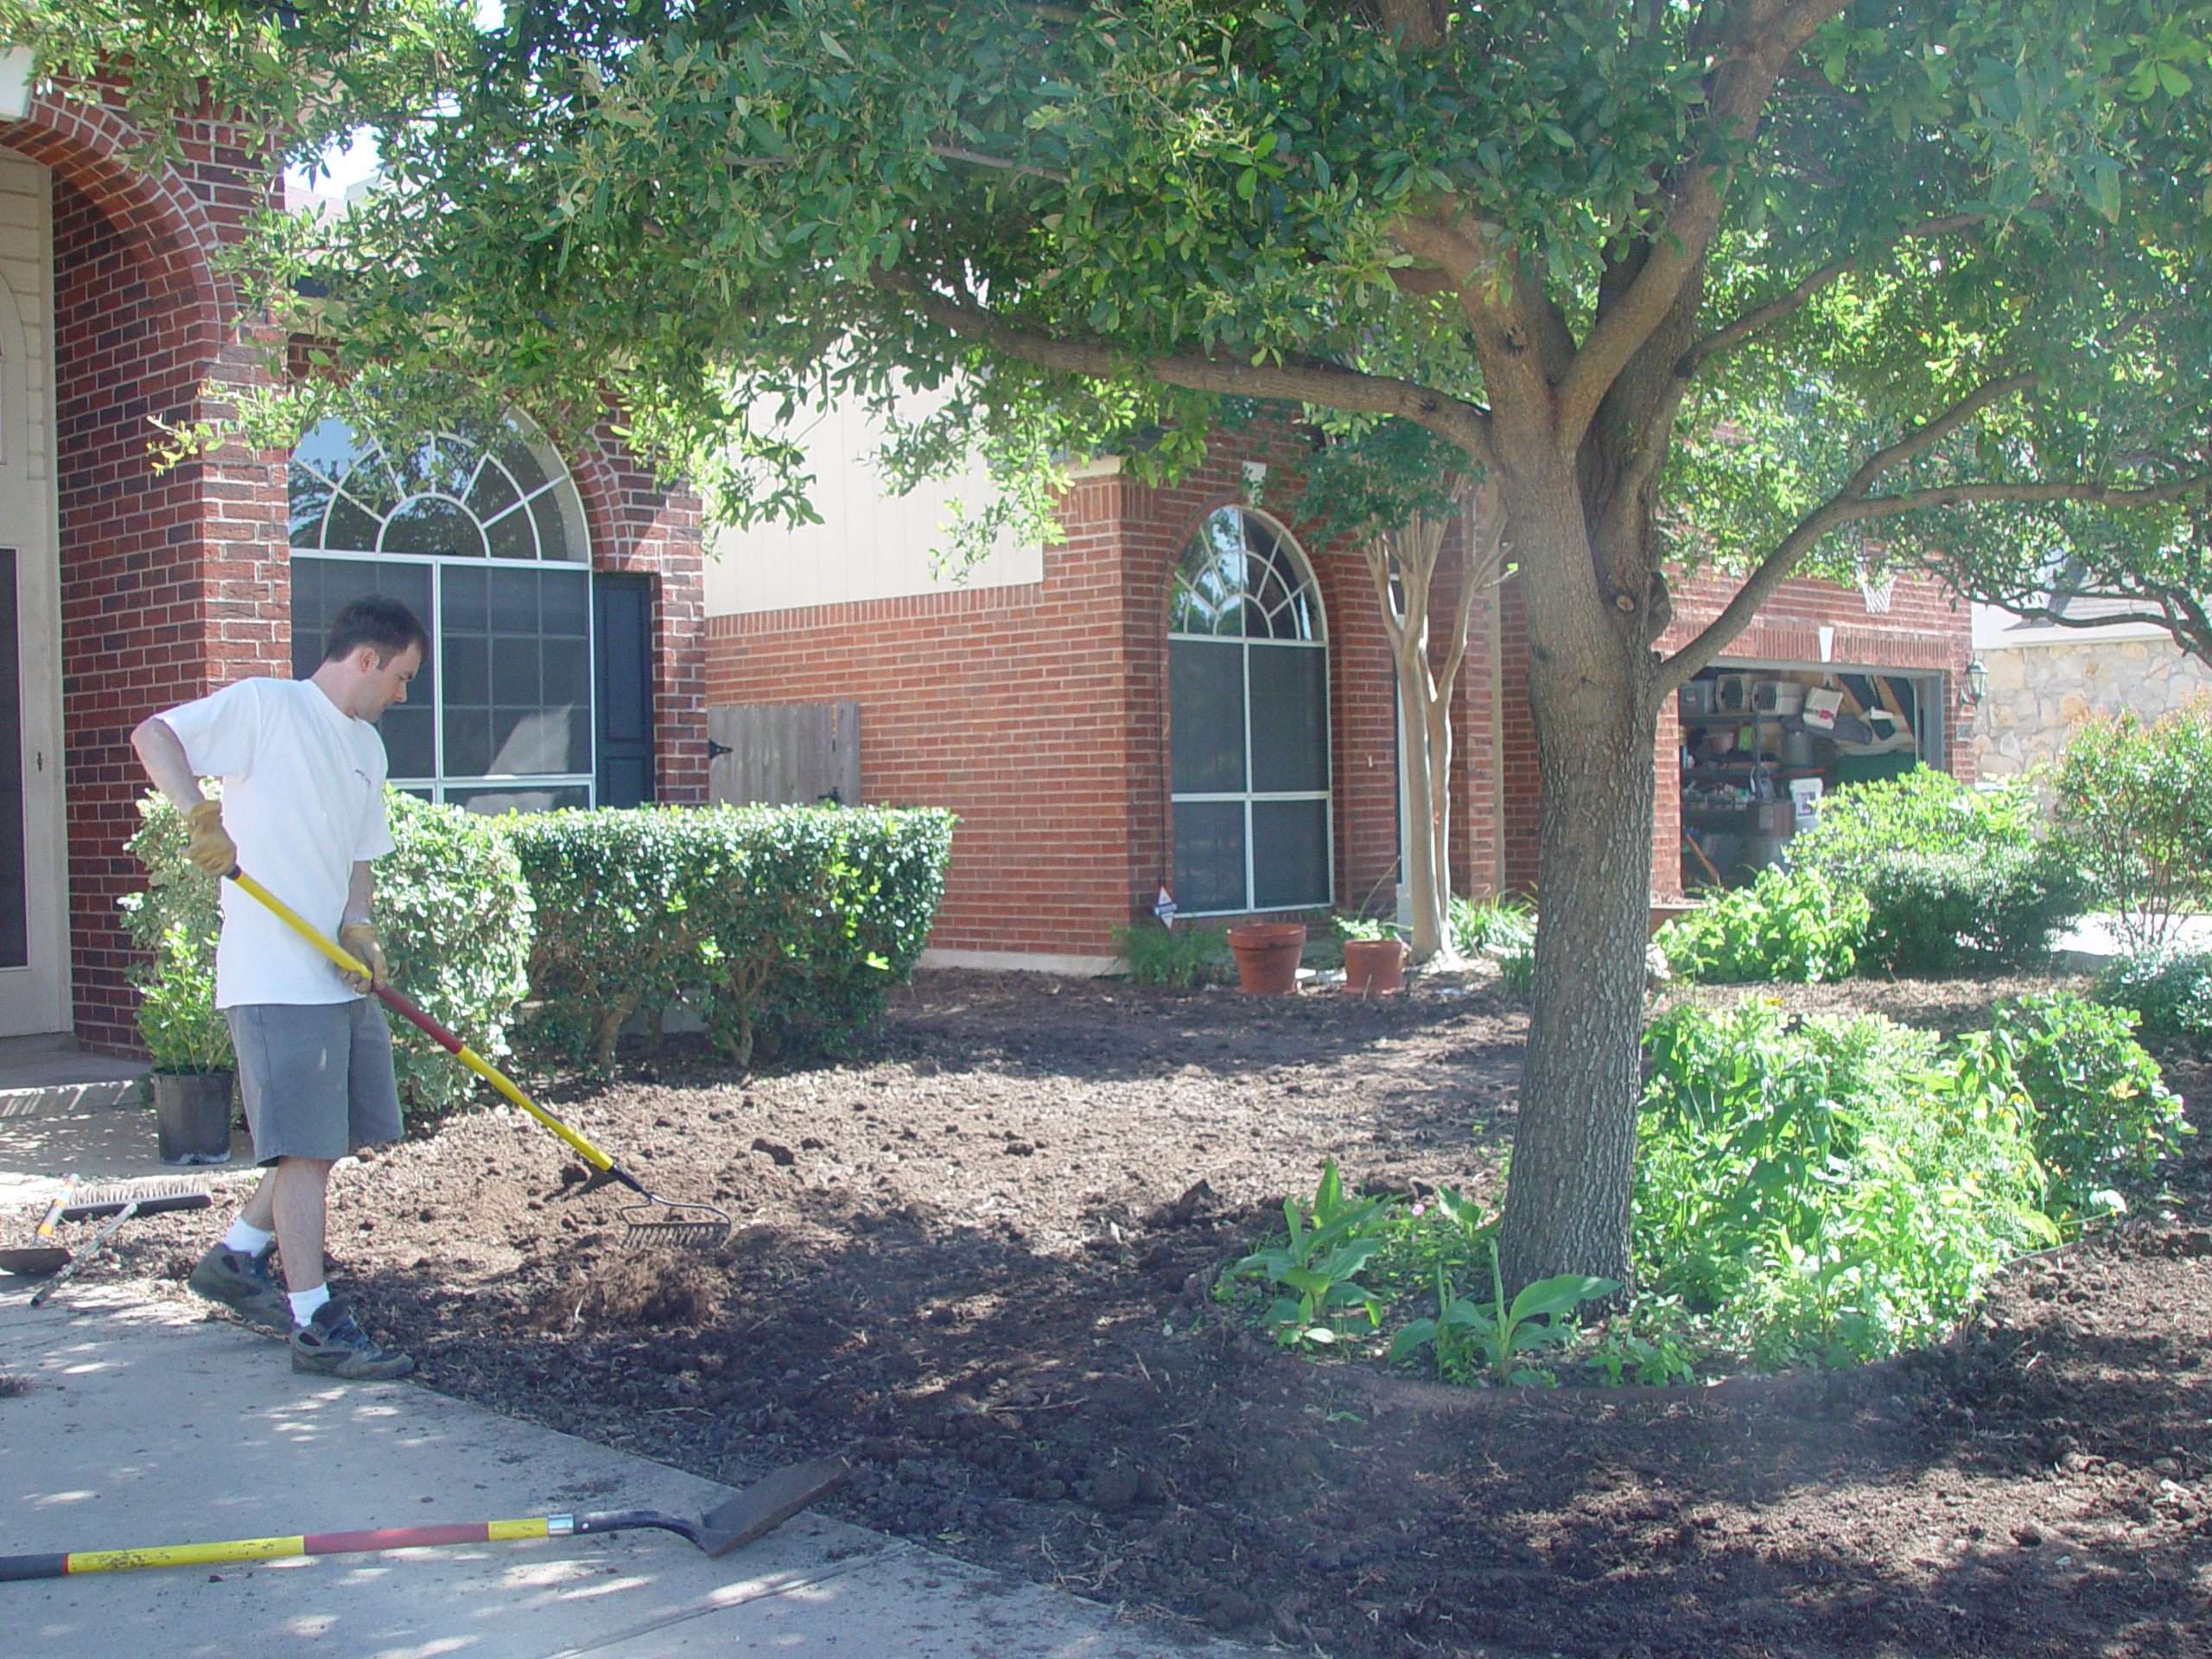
782,753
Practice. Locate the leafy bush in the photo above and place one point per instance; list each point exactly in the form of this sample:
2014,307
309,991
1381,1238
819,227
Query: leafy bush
785,925
2102,1116
2169,990
451,907
1834,1189
1796,925
1954,878
1501,928
2134,807
174,923
457,921
1163,955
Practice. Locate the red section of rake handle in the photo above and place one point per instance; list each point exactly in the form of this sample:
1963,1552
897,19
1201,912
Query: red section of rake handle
455,1532
415,1016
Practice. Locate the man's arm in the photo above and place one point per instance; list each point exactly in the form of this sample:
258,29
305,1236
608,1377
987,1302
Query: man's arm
361,893
160,751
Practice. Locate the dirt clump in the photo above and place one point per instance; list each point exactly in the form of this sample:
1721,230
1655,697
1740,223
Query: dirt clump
628,1289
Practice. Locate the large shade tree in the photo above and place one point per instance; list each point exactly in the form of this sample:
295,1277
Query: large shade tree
1745,280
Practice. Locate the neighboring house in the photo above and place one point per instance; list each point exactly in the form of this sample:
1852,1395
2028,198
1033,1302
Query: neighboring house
563,590
1187,693
2045,679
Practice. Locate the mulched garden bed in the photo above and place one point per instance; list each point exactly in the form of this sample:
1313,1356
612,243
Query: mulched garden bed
977,1254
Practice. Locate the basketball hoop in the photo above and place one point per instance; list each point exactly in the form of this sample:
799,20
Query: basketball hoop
1877,593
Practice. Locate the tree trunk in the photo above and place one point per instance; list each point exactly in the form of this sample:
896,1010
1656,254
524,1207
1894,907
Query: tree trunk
1428,891
1567,1208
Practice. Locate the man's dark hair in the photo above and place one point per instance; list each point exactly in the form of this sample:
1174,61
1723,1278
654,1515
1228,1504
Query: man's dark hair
375,619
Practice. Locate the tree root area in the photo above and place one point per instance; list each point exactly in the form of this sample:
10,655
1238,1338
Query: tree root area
977,1256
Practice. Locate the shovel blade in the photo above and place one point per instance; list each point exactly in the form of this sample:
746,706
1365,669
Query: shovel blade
769,1502
34,1261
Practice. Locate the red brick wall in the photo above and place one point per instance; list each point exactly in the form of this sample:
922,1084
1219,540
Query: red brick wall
171,584
1038,713
639,523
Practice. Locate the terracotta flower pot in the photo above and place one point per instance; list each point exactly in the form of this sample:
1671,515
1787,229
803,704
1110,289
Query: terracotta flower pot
1266,956
1374,967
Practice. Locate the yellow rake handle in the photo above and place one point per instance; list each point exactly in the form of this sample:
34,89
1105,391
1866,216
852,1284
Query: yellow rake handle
346,962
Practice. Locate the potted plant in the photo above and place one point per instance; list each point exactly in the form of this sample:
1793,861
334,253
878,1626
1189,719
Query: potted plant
190,1043
1374,956
1267,956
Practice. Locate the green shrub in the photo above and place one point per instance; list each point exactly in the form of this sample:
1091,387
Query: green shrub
455,919
2169,990
1502,928
781,926
2103,1117
2134,809
174,924
452,909
1796,925
1954,878
1164,956
1831,1189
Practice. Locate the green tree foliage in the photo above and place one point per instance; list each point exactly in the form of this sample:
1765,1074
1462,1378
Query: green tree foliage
2134,801
1737,281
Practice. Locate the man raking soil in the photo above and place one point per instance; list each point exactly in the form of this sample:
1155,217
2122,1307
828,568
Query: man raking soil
302,767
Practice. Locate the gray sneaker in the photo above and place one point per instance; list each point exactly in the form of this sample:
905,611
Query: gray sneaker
243,1284
332,1344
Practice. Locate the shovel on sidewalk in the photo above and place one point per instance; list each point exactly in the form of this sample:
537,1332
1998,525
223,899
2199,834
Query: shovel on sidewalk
759,1508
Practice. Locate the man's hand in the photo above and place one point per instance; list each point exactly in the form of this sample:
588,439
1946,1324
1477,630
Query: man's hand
210,847
361,938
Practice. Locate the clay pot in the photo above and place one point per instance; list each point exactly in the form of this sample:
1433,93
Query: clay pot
191,1116
1266,956
1374,967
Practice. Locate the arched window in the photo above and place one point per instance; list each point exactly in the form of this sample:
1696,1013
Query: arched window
1247,680
482,535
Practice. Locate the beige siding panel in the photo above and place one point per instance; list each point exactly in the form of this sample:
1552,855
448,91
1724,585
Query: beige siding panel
870,545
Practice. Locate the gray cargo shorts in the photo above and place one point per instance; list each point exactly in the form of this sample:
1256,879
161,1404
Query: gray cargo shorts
316,1076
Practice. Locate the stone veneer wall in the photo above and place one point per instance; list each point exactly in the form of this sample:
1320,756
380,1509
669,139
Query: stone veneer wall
2039,693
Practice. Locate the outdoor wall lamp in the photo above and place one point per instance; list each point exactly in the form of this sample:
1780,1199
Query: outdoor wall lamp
1977,685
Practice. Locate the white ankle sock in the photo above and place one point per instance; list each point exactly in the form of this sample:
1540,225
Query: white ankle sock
250,1240
304,1303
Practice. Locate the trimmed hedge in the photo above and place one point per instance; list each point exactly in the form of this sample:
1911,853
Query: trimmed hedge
1956,878
453,912
780,927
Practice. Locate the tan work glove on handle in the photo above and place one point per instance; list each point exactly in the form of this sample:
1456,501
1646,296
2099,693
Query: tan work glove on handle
210,849
360,939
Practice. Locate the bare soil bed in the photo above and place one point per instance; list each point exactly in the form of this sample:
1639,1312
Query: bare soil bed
976,1256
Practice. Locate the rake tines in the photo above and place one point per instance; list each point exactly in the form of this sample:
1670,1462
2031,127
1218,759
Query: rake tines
688,1227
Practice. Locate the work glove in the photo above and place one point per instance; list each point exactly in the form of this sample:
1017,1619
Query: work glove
361,938
210,847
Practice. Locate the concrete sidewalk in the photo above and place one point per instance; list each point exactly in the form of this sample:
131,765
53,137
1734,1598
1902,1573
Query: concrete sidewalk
148,1423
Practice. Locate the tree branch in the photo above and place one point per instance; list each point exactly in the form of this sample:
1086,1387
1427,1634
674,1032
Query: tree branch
1328,385
1734,334
1678,242
1847,505
955,153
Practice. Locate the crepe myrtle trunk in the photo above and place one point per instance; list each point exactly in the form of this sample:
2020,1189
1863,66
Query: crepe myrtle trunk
1594,709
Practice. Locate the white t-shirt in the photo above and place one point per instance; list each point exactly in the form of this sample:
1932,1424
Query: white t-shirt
303,798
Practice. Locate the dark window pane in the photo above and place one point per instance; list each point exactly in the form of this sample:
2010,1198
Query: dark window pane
467,609
468,668
1205,692
519,800
432,525
1290,854
530,740
494,492
322,588
306,609
564,674
310,495
514,600
522,460
564,603
469,741
1290,718
511,537
514,671
350,529
407,733
1209,855
552,527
